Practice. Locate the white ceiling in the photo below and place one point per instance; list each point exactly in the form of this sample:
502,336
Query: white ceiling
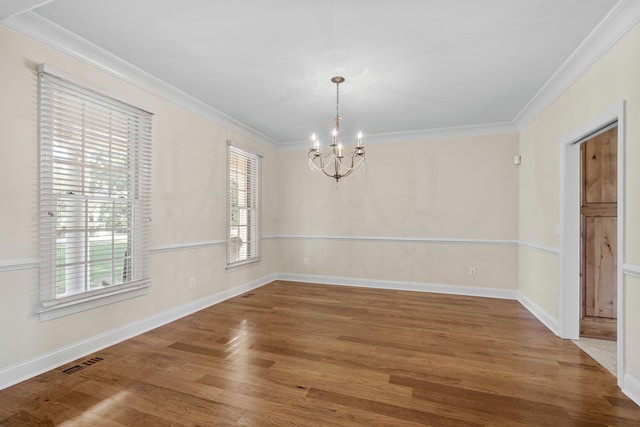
410,65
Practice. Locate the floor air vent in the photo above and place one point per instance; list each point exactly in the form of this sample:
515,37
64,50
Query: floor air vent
73,369
247,295
92,361
88,362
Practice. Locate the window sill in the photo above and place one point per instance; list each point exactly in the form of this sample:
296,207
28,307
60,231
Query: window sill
239,264
72,307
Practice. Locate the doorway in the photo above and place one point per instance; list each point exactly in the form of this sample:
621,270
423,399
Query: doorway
569,254
598,234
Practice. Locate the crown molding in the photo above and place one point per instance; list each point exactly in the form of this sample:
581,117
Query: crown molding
620,19
420,135
15,8
42,30
444,132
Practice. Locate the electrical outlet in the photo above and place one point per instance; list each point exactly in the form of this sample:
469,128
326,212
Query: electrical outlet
472,271
305,261
192,282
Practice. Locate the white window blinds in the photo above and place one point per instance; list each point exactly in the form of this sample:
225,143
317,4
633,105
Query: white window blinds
95,167
243,206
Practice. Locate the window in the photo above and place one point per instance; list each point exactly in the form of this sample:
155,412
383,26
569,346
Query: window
243,206
94,193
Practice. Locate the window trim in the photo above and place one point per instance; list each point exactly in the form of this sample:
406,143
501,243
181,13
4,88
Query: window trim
51,305
257,179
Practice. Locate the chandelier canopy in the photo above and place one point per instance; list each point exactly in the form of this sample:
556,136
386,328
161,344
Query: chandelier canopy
336,162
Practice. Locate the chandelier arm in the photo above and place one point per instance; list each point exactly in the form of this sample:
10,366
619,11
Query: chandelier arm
320,160
354,166
358,152
323,167
349,172
325,155
317,162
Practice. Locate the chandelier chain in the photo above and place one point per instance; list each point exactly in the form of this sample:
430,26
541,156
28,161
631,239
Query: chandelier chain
337,101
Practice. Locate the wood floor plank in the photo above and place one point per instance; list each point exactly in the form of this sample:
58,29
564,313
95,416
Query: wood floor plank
496,405
393,411
111,412
299,354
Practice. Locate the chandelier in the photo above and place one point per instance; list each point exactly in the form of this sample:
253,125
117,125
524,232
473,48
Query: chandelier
336,162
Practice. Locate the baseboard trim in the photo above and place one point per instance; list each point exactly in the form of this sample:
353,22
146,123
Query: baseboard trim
402,286
51,360
546,319
631,388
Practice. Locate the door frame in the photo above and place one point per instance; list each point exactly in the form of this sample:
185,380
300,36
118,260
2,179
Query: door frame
569,301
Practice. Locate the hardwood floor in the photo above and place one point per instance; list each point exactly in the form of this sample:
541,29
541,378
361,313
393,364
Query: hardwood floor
291,354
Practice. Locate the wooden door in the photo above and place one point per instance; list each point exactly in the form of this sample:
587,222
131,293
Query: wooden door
599,236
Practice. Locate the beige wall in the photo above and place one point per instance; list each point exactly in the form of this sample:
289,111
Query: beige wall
188,205
452,188
612,79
